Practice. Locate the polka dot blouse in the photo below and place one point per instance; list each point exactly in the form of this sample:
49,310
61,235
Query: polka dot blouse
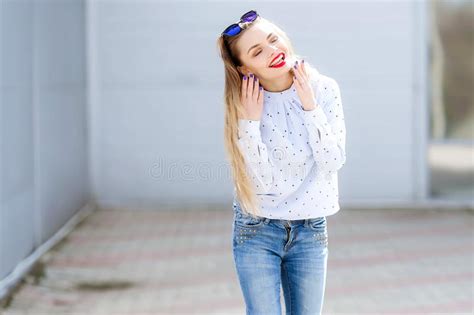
293,155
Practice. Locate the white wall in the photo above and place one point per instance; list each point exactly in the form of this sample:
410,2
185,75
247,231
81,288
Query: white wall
157,86
43,135
155,109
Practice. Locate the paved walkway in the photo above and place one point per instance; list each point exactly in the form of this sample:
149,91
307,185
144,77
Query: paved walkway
180,262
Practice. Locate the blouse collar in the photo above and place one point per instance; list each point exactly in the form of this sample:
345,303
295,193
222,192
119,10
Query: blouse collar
291,91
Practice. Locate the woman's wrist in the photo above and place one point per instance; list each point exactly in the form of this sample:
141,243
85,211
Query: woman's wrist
311,107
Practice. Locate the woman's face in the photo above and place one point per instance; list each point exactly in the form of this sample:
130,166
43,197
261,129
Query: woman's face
258,48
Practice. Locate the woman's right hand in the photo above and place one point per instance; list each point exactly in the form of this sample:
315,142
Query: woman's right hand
252,97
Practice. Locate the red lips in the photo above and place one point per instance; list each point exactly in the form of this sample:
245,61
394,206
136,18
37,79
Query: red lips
276,57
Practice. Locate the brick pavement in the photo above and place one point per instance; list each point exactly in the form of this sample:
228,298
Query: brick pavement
180,262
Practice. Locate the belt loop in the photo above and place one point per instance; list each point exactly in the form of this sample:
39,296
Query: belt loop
306,223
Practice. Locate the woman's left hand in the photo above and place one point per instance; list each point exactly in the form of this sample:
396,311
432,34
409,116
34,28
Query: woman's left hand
303,86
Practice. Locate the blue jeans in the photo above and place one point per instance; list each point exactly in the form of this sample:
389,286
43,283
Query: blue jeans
273,252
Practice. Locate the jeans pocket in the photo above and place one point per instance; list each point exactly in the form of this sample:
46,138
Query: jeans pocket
318,227
246,226
317,224
245,220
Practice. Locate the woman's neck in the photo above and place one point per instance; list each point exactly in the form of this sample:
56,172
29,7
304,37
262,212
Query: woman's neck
280,84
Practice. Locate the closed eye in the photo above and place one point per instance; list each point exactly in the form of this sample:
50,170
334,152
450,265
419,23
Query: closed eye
274,40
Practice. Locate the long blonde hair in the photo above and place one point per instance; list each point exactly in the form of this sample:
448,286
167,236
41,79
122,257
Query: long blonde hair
234,109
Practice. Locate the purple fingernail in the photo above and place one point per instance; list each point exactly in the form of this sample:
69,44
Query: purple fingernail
261,88
251,75
245,77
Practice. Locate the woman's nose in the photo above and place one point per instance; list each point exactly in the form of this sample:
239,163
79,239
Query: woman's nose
273,51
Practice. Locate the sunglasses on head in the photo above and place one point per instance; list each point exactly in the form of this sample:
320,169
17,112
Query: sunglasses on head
235,28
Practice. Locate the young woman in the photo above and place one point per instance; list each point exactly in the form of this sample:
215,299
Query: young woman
285,139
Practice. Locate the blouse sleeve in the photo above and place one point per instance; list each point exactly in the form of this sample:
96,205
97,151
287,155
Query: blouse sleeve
326,128
255,152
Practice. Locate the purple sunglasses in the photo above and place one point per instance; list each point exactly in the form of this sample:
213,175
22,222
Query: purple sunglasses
235,28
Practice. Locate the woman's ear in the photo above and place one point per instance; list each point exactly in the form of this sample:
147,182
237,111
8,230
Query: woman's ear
242,69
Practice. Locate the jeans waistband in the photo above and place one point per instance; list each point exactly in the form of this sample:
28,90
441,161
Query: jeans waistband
284,222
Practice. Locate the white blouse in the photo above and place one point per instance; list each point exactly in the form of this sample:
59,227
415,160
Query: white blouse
293,155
